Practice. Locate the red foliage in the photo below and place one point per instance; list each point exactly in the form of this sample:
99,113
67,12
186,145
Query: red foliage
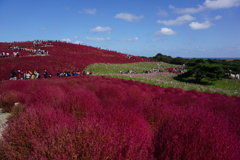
91,117
196,134
100,118
81,103
9,99
62,57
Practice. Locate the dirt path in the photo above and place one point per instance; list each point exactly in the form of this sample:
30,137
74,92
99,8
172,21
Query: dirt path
3,121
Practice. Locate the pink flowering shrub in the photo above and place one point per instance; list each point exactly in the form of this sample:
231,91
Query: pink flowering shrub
91,117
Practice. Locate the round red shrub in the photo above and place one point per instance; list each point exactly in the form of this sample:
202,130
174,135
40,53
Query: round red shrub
128,136
110,94
80,103
49,95
196,134
23,135
9,98
137,98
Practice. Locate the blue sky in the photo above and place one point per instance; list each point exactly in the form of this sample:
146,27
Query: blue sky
186,28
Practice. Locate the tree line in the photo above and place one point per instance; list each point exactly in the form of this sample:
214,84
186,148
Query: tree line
198,69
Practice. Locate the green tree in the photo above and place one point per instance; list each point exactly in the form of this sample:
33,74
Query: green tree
178,60
200,69
162,58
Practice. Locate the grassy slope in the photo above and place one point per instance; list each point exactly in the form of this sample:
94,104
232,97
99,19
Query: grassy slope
102,68
229,87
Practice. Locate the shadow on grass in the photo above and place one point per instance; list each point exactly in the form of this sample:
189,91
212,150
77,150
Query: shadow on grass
193,81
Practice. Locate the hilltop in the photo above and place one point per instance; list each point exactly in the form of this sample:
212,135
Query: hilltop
61,56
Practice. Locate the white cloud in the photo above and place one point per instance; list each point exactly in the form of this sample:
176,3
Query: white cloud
100,29
218,4
208,4
88,11
66,40
75,37
187,10
129,17
178,21
97,39
197,25
165,31
218,17
78,42
162,13
133,39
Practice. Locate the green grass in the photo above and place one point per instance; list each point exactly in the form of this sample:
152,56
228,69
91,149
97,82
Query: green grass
229,87
102,68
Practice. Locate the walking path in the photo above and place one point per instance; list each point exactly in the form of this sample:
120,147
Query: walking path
3,121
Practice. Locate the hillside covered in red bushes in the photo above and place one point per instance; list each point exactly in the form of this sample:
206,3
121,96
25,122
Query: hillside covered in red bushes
61,57
92,117
95,117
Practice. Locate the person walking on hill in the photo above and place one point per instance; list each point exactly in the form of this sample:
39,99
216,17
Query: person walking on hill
19,75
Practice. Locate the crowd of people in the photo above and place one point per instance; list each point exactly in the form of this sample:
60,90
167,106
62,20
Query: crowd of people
37,42
36,51
19,48
130,57
14,54
36,74
40,42
27,75
73,73
3,54
144,71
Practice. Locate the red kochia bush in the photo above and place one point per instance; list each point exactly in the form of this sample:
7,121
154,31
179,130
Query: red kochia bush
91,117
129,134
9,98
196,134
110,94
49,95
58,136
24,135
80,103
